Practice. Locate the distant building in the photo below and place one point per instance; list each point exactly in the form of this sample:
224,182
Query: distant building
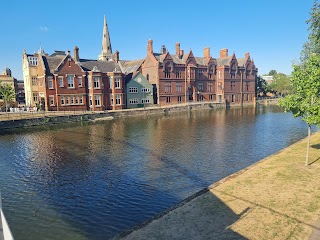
60,81
20,94
7,78
139,91
268,79
183,77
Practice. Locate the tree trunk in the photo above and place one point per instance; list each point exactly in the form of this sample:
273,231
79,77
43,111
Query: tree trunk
307,156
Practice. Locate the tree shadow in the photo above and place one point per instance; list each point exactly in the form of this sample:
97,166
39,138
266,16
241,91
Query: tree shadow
201,216
314,161
316,146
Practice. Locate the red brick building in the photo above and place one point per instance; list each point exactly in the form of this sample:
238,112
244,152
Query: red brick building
183,77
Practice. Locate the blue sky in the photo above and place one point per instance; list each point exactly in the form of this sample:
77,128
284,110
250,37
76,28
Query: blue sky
272,31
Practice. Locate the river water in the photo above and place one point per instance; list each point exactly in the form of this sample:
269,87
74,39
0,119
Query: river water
95,180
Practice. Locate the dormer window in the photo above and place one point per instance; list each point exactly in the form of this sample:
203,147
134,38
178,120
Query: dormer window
33,61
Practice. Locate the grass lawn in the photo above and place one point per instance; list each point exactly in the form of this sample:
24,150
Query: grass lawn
278,198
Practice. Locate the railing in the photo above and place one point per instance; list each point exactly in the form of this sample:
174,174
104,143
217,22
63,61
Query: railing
5,232
7,116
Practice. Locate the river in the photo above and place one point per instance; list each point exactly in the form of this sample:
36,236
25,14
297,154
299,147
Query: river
95,180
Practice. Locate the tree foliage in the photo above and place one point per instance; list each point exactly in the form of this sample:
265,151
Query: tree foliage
305,98
313,43
281,84
7,93
262,86
272,72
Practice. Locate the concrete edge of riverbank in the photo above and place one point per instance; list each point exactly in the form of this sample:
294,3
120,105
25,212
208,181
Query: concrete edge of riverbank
108,115
198,194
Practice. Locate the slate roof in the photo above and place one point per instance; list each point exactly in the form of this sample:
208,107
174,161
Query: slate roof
130,66
52,62
58,53
241,61
224,61
102,66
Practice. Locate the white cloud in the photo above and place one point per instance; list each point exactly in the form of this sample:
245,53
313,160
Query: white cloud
45,29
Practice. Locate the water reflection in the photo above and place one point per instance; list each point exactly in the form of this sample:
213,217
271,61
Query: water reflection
92,181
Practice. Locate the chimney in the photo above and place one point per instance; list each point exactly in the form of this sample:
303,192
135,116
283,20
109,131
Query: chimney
178,49
181,53
206,53
224,53
76,54
150,47
116,56
163,49
247,55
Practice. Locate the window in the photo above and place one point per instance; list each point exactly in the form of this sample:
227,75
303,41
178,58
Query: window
232,75
211,97
233,84
33,61
77,100
80,100
178,87
167,73
210,87
71,100
200,73
179,99
110,83
168,99
34,81
117,83
219,74
145,100
62,100
133,90
133,101
51,100
145,90
70,81
167,87
232,98
97,100
210,72
67,100
247,85
90,100
50,84
80,81
96,82
35,97
118,99
200,86
111,100
220,86
178,73
60,81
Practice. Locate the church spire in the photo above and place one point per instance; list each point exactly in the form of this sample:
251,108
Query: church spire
106,53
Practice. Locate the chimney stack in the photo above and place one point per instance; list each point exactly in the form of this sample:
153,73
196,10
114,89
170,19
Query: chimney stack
181,53
206,53
224,53
163,49
76,54
150,47
247,55
178,51
116,56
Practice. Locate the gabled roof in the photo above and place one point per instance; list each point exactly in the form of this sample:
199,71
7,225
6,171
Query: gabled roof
224,61
52,62
130,66
102,66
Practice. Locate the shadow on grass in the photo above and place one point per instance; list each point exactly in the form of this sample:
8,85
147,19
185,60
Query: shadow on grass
314,161
316,146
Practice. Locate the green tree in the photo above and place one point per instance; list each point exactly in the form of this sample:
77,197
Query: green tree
313,44
7,93
262,86
272,72
281,84
305,98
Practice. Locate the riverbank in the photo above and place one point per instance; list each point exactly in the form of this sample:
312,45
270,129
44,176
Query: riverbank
48,118
276,198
